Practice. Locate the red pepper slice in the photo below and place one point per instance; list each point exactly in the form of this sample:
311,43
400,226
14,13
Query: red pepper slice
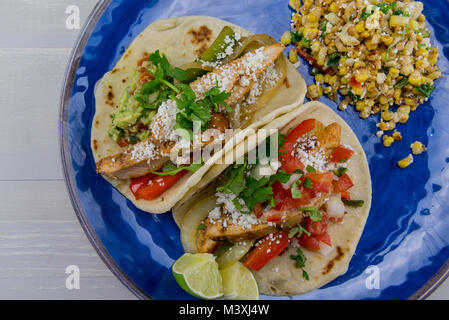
354,83
151,186
266,250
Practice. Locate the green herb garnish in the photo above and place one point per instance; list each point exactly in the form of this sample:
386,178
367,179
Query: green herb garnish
300,262
298,231
314,213
308,183
170,169
354,97
402,83
309,168
426,89
340,171
334,59
296,194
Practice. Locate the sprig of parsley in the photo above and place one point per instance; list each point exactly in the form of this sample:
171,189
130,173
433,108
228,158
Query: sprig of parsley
300,262
314,213
170,169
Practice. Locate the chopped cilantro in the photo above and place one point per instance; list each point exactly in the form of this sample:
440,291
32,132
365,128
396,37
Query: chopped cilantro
202,226
296,194
385,7
309,168
366,14
334,59
300,260
314,213
308,183
426,89
298,171
298,231
296,36
354,97
402,83
340,171
343,160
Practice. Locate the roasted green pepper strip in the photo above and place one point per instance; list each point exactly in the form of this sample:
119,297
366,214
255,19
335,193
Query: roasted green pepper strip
218,46
354,203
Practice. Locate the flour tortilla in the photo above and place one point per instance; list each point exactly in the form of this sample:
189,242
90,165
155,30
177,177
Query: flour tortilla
280,275
174,38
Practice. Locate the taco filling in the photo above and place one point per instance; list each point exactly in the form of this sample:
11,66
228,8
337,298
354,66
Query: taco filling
157,112
288,201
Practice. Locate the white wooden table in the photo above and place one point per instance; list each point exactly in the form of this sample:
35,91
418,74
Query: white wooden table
39,233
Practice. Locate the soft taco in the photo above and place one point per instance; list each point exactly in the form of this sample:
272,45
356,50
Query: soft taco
294,218
177,74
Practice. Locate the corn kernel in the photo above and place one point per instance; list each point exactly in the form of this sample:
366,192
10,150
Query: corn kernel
311,18
414,25
333,8
286,38
404,163
397,93
343,70
343,105
383,100
361,75
421,18
358,64
292,56
386,115
314,91
397,135
435,75
387,140
294,4
360,106
365,34
393,73
388,40
417,147
357,90
360,27
399,21
421,53
319,78
408,101
415,78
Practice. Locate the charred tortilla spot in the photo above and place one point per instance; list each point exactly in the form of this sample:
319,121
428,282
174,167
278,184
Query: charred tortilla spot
95,145
201,50
331,264
110,96
127,54
201,38
124,80
114,70
287,84
97,122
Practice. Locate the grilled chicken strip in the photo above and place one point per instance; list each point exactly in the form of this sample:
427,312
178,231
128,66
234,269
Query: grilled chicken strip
214,233
229,77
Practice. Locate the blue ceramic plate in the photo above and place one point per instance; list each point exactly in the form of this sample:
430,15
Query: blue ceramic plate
406,236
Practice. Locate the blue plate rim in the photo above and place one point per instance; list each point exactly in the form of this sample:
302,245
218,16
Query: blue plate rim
65,98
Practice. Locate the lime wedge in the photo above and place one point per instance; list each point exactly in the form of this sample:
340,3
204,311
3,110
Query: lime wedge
198,274
239,282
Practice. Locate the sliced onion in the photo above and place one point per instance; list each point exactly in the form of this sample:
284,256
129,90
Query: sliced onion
191,222
293,178
325,249
334,207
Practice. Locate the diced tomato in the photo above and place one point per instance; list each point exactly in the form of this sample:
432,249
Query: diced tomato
289,163
318,232
152,186
342,184
267,249
341,153
258,210
284,199
122,142
354,83
345,195
321,181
